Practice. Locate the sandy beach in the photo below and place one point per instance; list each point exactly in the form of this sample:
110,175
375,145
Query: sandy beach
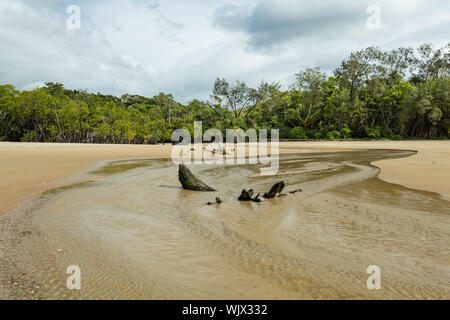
27,169
122,217
264,151
428,170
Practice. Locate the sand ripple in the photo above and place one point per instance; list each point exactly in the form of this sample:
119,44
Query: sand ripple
136,234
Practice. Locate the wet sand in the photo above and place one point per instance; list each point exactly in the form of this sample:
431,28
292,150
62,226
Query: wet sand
428,169
27,169
136,234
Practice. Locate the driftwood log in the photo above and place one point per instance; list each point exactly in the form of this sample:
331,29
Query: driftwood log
218,201
248,196
190,182
256,199
276,189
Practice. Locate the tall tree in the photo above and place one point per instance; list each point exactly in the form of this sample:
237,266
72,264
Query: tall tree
237,97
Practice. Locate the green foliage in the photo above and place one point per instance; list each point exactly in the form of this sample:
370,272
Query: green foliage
284,133
317,135
333,135
346,133
374,133
368,97
314,134
298,133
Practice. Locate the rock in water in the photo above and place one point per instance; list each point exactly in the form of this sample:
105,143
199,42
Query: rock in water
276,189
256,199
246,195
190,182
218,201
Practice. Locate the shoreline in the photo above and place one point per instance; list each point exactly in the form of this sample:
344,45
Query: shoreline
312,245
28,169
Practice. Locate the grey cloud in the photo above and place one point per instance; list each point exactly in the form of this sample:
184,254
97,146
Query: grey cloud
231,17
148,46
275,22
271,24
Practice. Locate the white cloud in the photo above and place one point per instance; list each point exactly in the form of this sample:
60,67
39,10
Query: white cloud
33,85
180,47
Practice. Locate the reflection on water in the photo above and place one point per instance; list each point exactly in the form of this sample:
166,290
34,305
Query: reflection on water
136,234
126,165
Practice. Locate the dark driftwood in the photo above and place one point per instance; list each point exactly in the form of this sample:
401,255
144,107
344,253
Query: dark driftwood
256,199
218,151
247,196
218,201
276,189
190,182
295,191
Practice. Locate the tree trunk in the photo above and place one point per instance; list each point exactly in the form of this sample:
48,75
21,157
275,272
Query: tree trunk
276,189
190,182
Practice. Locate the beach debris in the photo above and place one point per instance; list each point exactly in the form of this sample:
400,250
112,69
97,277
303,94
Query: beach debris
218,201
256,199
248,196
219,150
276,189
295,191
223,151
26,233
190,182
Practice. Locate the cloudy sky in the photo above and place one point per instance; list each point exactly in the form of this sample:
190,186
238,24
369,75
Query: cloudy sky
181,46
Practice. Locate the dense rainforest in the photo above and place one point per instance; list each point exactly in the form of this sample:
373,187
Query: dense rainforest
372,94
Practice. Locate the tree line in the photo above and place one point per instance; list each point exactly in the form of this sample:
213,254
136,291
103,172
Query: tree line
372,94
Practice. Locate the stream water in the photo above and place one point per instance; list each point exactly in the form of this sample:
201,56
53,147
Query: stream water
135,233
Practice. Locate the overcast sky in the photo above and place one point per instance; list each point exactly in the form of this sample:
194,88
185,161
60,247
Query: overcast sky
181,46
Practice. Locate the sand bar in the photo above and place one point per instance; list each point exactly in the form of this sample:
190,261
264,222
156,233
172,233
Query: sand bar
27,169
428,170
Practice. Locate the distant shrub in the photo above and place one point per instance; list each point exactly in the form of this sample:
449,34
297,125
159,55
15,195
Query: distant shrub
396,137
298,133
346,133
316,135
313,134
374,133
333,135
284,133
30,136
